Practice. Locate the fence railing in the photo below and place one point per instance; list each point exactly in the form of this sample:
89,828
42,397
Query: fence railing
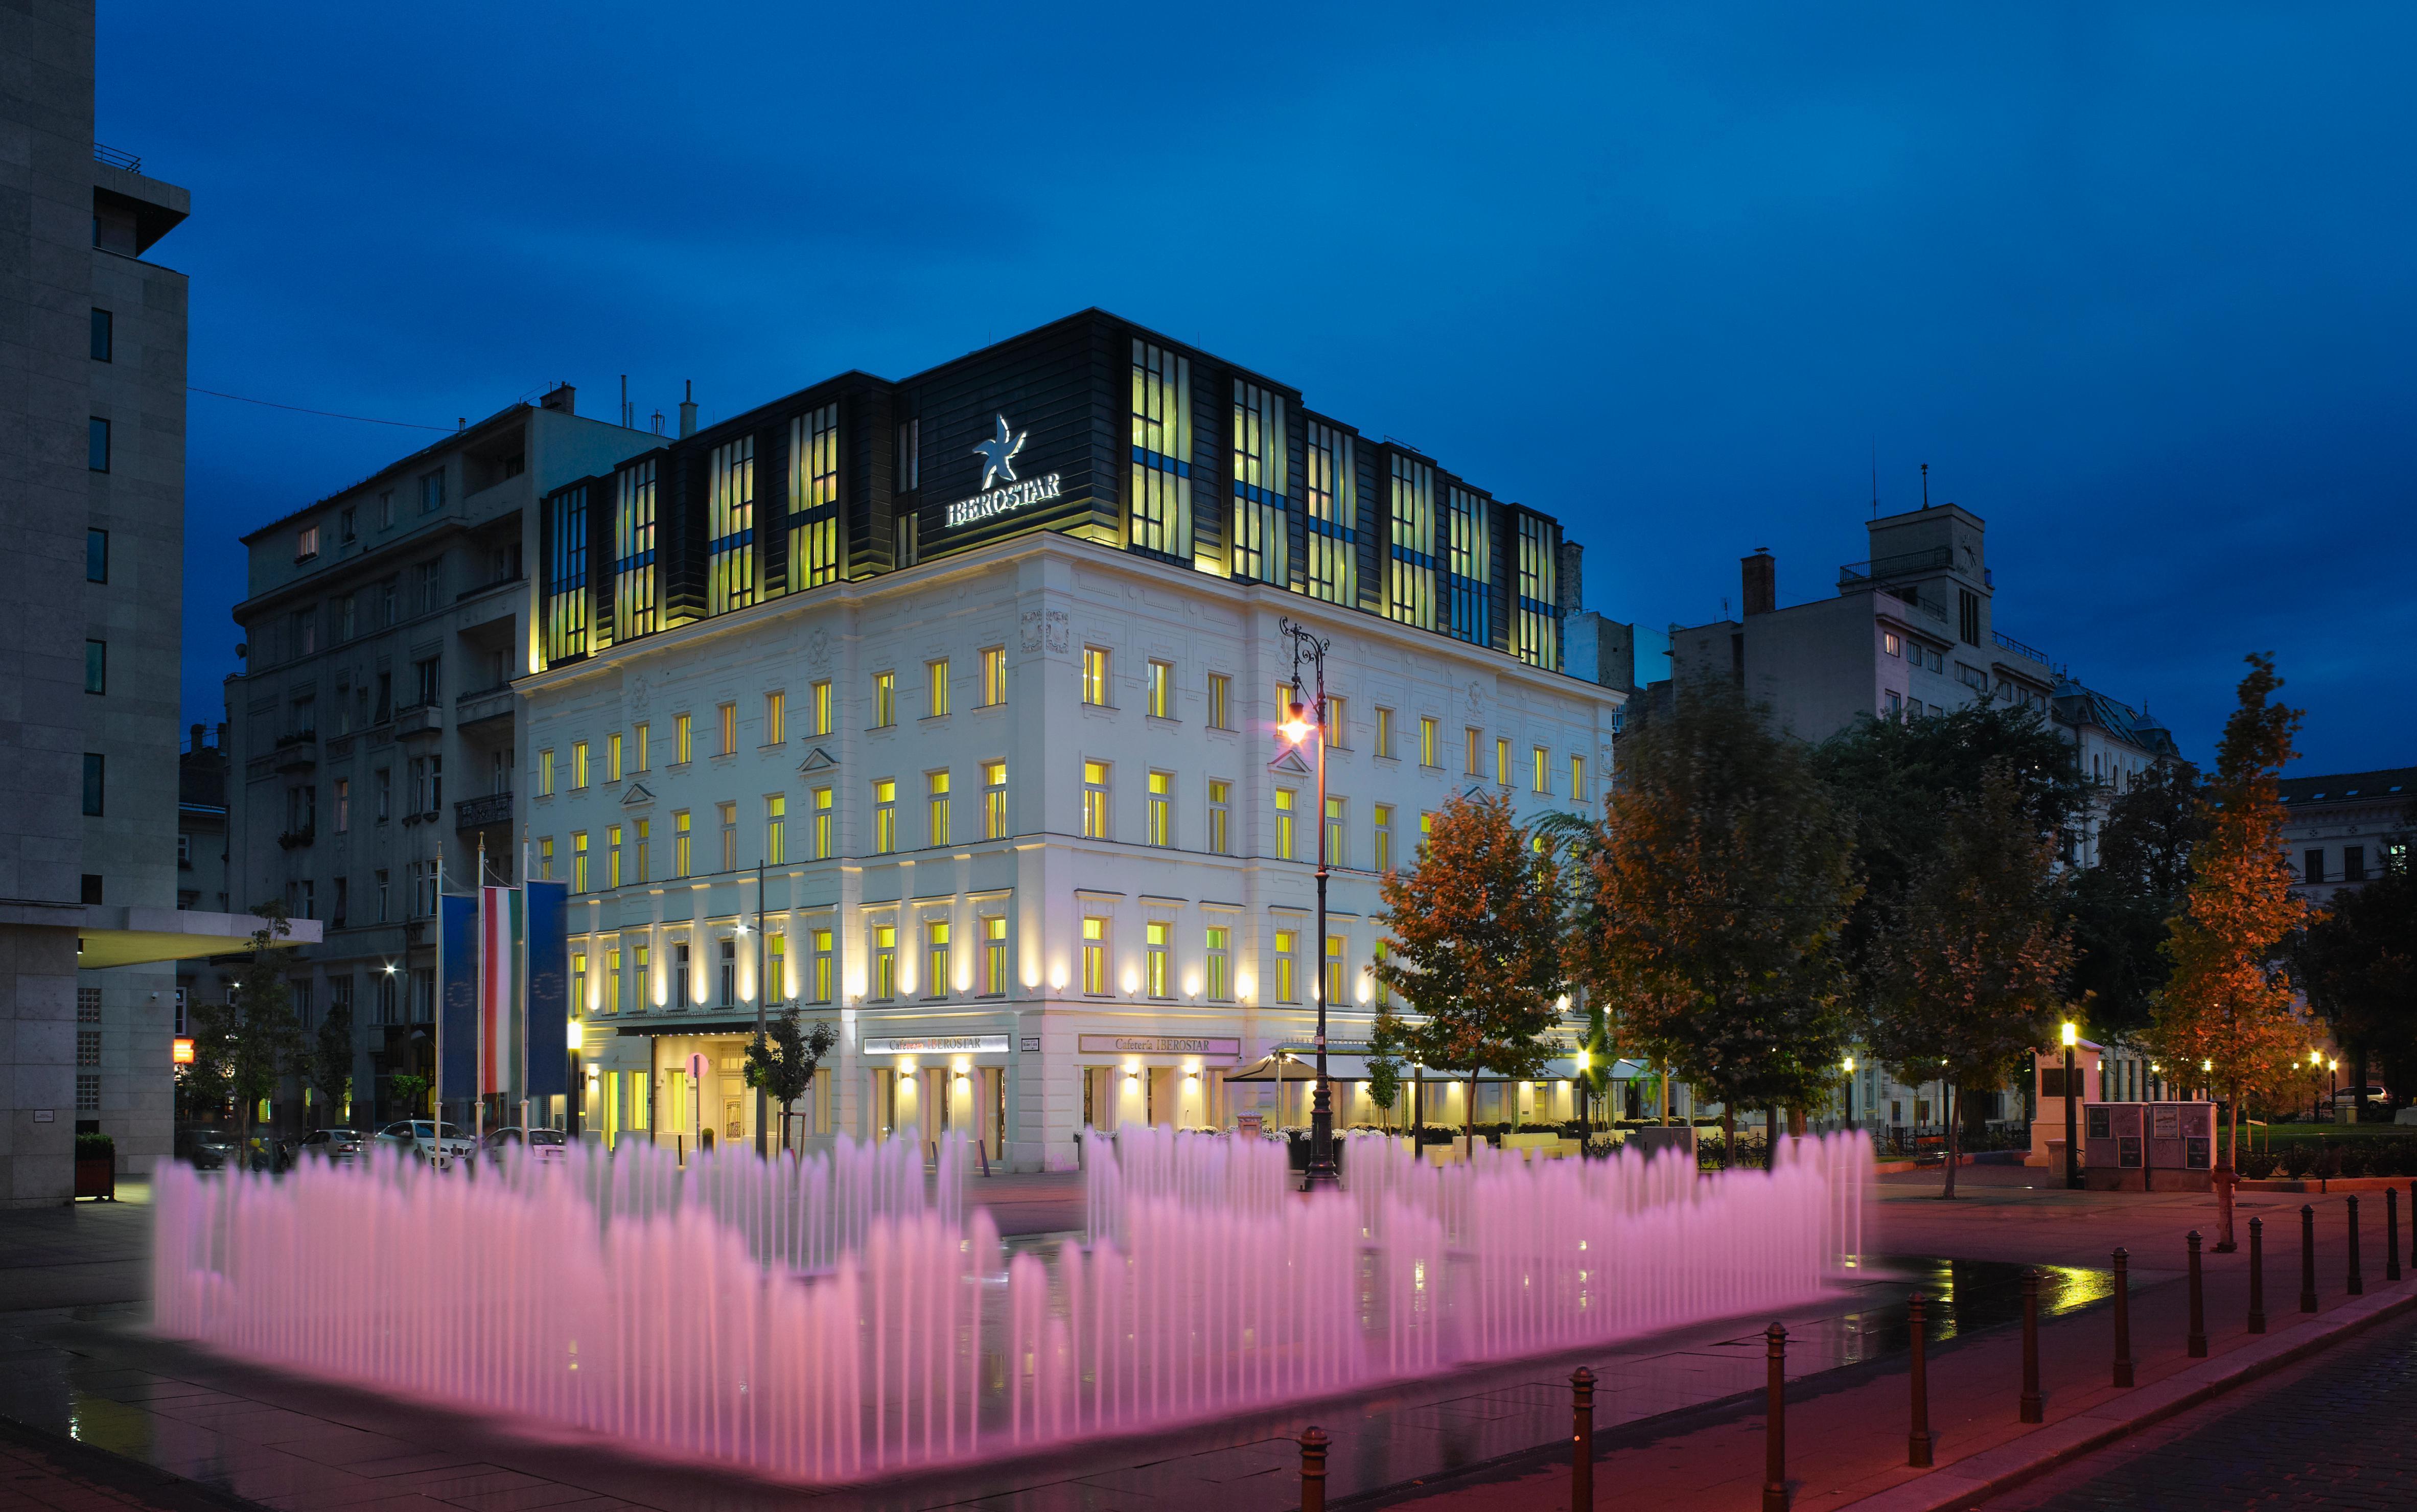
116,159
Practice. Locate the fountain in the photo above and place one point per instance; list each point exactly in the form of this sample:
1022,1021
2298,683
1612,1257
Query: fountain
840,1316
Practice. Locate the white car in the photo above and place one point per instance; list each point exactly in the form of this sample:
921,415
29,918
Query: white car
543,1144
418,1138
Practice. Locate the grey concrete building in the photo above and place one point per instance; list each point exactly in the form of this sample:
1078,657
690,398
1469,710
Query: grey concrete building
92,450
374,725
2344,829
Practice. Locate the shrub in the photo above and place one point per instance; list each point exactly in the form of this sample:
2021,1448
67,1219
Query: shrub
2299,1158
2328,1163
95,1147
2257,1165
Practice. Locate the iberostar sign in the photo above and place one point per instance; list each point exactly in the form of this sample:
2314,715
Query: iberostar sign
998,461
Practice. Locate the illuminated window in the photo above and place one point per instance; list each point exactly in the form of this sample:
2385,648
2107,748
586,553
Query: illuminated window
730,531
1338,725
993,800
578,765
1161,505
936,979
1476,746
727,729
566,575
681,739
1383,731
884,962
1468,566
1221,813
776,718
612,855
1262,472
1095,800
814,499
1382,829
1285,940
1095,955
936,684
1095,675
1221,690
643,748
993,676
1284,823
1541,780
1217,979
544,859
1330,517
1158,825
728,813
1535,625
1890,643
641,830
1334,851
821,697
778,987
776,826
1410,564
1156,978
1333,985
1157,694
1577,779
936,798
885,700
1384,993
633,552
613,756
545,773
578,861
1428,729
885,816
824,975
823,799
994,956
680,856
1502,762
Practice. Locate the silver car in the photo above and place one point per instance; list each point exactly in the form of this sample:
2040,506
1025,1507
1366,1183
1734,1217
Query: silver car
418,1138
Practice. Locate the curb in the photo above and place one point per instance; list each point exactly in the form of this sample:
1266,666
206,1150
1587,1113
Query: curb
1965,1483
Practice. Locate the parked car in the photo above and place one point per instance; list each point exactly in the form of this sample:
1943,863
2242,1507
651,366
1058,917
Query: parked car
2367,1093
544,1144
331,1144
418,1138
205,1148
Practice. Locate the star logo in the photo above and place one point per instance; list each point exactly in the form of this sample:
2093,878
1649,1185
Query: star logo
999,454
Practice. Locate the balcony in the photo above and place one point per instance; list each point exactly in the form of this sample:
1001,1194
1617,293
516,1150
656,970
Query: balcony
418,720
297,752
2008,643
1892,569
470,812
297,839
484,706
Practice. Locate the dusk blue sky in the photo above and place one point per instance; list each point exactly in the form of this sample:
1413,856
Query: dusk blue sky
2135,281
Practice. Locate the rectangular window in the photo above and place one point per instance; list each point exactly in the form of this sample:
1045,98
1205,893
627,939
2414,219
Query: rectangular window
566,599
993,676
382,883
1286,987
1476,748
1284,797
1333,985
1218,975
910,455
824,977
643,744
97,439
682,738
993,800
431,492
936,688
96,555
825,800
1095,675
2353,864
382,789
730,528
1221,690
681,856
1968,617
644,833
1336,854
937,977
994,956
1338,725
1157,978
727,729
347,526
612,855
776,828
613,756
1410,564
344,795
579,878
1158,692
578,765
633,552
885,816
728,813
819,700
1541,779
885,963
1221,813
1095,800
1262,510
1381,828
96,667
1331,515
306,543
1891,643
936,806
2313,870
1577,779
1158,826
885,700
814,499
1095,955
1160,497
1502,762
1427,732
96,782
776,986
1383,731
776,718
105,336
544,868
1536,610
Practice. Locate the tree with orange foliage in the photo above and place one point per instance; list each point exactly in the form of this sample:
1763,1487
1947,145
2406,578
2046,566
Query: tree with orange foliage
1476,947
2229,1009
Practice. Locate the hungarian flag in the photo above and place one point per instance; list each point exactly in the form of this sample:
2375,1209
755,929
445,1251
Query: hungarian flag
503,1011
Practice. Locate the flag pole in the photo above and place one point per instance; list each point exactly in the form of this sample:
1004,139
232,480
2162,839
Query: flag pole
522,971
762,988
436,1076
479,899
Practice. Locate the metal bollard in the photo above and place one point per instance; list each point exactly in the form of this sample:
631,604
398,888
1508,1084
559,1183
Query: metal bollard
2123,1316
1917,1442
1582,1440
2356,1282
2197,1305
1774,1429
2391,1234
2307,1258
2258,1275
2032,1408
1312,1470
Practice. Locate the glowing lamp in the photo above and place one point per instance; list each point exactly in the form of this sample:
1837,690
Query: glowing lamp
577,1036
1296,726
1583,1059
1850,1066
390,969
180,1049
2208,1064
2071,1032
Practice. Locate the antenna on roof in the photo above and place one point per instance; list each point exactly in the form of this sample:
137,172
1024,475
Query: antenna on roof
1925,486
627,419
1876,476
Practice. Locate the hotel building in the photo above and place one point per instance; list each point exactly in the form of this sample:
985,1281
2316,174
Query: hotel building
944,708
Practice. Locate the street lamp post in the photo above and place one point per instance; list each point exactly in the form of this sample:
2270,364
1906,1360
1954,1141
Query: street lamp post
2335,1105
1850,1091
760,986
1302,721
2072,1114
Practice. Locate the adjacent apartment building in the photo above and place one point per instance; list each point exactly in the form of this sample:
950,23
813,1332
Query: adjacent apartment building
374,729
2345,828
944,708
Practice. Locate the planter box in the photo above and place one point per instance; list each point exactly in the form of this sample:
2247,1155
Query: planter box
97,1179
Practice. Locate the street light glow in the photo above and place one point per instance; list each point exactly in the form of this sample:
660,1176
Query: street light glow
1296,726
2071,1032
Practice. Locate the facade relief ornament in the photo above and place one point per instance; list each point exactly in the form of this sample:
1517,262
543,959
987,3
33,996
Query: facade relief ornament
1046,627
818,649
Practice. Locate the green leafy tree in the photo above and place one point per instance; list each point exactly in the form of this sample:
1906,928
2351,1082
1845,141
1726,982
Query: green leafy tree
2228,1006
251,1043
1385,1063
1476,946
1719,886
1972,968
1598,1053
2122,906
410,1093
2359,965
782,1060
331,1065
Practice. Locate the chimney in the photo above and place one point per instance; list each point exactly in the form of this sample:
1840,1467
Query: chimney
1761,572
197,736
221,735
561,398
688,410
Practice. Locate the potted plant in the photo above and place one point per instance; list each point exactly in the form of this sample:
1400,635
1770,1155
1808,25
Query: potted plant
96,1167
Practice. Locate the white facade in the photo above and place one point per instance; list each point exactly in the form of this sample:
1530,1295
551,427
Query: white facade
1134,968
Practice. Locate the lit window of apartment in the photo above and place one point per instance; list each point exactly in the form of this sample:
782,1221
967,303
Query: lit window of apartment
1218,975
776,986
1161,450
1158,827
1095,955
821,702
825,799
1286,987
1577,779
824,976
643,829
613,756
1262,512
545,773
1501,761
885,700
1095,675
1221,693
936,785
544,868
1476,752
578,861
1333,985
1410,571
681,855
884,985
776,826
731,578
936,686
1383,731
994,956
1536,616
1221,813
993,800
1331,514
937,976
633,552
885,816
1336,854
1338,725
1427,732
1892,643
1284,797
1157,978
1095,800
1541,779
776,718
725,717
813,498
1381,830
643,748
728,813
993,676
682,738
578,765
612,855
1157,695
